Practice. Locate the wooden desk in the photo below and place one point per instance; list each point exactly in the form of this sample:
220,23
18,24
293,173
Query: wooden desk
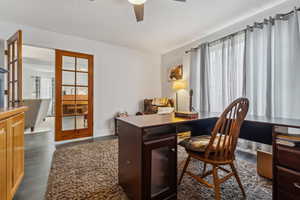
148,149
286,166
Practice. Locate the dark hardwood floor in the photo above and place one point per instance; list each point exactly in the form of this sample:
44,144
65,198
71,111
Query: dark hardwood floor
39,149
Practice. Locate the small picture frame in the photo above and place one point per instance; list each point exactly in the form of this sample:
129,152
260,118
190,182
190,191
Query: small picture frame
175,73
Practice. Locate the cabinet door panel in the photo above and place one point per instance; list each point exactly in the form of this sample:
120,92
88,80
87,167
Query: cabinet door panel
160,168
3,168
15,155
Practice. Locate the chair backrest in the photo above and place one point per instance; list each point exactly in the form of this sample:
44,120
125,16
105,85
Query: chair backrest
227,130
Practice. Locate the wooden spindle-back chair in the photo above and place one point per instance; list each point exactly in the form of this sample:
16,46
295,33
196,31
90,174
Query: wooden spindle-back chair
221,147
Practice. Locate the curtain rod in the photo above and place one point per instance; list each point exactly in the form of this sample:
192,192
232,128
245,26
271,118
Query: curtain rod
271,19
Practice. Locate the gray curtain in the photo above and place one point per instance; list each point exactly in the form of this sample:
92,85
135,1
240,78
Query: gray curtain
272,67
217,72
199,78
204,78
194,77
263,63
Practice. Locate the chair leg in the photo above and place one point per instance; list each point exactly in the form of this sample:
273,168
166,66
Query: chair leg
204,168
216,183
184,168
237,178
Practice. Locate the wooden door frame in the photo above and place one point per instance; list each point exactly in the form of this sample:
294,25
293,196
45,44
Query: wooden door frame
88,132
17,82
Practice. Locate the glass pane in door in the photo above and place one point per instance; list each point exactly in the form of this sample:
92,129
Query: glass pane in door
81,122
68,108
81,107
81,79
16,49
16,92
82,91
68,78
68,93
68,123
160,174
16,70
68,63
82,64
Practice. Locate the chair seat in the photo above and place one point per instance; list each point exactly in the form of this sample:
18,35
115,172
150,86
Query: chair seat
197,143
200,143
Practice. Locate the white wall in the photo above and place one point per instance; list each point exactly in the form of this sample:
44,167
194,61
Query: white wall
123,77
178,56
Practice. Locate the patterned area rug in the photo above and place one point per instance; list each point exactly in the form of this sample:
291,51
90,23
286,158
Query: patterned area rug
90,172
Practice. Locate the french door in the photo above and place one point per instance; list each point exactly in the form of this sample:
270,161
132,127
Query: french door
74,95
15,69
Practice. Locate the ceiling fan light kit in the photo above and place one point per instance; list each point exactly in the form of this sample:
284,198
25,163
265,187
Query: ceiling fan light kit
137,2
138,7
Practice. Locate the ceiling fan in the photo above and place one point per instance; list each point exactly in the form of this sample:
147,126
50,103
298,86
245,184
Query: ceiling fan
138,6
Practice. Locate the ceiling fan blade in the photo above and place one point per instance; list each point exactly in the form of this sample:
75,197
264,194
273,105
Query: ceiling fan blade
139,12
181,0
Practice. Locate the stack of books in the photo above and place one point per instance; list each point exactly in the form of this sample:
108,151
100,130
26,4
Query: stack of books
188,115
288,140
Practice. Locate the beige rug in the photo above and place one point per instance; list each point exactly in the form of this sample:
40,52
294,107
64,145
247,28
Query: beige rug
90,172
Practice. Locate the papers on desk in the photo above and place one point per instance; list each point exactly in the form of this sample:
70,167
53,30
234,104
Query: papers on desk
164,110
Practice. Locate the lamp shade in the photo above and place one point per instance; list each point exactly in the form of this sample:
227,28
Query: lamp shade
179,85
137,2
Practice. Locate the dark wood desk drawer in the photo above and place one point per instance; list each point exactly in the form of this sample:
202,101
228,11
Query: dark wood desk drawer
288,180
288,157
159,132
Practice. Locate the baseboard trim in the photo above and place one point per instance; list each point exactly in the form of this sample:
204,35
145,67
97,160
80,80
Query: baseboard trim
103,132
73,140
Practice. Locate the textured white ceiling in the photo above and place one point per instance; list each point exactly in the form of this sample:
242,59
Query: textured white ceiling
167,23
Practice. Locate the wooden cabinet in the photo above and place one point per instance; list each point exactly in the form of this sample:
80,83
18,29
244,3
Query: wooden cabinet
11,151
159,168
286,166
3,161
15,152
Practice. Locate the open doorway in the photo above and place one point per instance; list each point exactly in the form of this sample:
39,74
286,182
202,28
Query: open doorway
39,89
58,90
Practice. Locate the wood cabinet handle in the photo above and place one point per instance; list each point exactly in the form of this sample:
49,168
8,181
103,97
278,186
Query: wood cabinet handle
297,185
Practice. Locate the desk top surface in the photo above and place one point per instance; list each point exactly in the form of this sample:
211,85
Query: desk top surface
146,121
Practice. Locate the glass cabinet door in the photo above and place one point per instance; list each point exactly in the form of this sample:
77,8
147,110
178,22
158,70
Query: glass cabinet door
161,171
75,88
